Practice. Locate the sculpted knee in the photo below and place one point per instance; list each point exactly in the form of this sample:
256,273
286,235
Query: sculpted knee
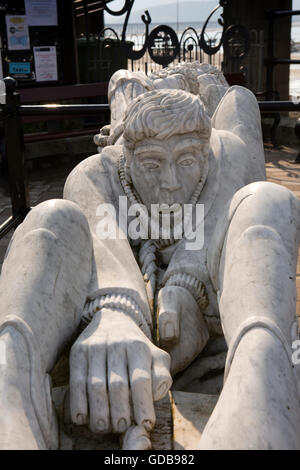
55,211
260,232
269,204
266,196
249,251
64,218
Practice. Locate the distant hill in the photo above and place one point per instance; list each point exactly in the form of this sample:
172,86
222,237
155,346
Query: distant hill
193,11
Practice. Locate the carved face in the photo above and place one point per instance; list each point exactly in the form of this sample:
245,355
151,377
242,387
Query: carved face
167,171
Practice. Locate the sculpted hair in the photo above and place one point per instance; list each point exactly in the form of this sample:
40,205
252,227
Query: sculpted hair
163,113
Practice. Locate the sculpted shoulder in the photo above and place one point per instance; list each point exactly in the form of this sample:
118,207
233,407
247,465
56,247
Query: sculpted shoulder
95,170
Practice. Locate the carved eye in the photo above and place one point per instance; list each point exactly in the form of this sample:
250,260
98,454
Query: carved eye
187,161
151,165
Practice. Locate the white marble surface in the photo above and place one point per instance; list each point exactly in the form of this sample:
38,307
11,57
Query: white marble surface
179,137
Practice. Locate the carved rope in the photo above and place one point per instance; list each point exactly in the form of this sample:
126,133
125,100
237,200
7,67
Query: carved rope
120,302
134,198
193,285
266,324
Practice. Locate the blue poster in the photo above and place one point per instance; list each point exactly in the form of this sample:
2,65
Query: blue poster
19,68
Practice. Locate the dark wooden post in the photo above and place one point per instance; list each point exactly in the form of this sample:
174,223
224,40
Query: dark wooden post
66,16
14,151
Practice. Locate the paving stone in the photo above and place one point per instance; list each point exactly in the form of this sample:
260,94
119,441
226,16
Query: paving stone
297,193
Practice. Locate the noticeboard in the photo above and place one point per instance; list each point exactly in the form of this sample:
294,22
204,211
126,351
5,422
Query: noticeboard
37,42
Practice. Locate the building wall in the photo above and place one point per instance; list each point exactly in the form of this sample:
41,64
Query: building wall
252,15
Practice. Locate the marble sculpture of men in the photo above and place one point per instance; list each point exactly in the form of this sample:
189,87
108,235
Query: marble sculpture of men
138,310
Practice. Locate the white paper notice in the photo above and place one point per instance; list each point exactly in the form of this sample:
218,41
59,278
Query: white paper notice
45,63
41,12
17,32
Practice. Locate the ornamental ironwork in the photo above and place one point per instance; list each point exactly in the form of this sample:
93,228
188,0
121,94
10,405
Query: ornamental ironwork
164,46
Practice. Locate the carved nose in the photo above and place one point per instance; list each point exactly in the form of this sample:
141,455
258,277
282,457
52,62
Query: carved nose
170,182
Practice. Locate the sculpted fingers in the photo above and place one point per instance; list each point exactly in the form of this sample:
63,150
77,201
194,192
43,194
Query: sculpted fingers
78,393
169,317
139,364
161,377
118,387
97,389
168,328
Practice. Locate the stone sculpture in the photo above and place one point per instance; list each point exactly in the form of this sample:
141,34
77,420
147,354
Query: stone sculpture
146,307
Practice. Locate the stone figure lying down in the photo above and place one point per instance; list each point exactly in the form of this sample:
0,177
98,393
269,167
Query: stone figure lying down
140,299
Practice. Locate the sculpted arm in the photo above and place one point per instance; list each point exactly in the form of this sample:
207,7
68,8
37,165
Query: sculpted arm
256,288
238,117
116,347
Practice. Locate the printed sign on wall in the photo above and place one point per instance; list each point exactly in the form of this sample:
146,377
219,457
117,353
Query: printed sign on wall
41,12
20,69
17,33
45,63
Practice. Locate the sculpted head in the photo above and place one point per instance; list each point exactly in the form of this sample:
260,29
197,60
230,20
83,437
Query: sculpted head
166,145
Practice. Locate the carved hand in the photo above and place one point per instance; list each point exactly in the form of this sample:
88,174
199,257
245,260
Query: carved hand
182,329
115,375
101,139
171,301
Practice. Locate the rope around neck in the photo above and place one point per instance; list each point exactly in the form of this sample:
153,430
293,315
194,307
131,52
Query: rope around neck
147,253
134,198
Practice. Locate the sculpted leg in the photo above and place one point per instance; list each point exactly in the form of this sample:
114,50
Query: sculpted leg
43,287
259,405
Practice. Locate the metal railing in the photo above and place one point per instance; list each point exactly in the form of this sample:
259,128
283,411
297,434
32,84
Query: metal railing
11,112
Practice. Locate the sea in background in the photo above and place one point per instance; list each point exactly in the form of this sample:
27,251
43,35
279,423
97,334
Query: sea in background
138,29
295,33
135,32
295,54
